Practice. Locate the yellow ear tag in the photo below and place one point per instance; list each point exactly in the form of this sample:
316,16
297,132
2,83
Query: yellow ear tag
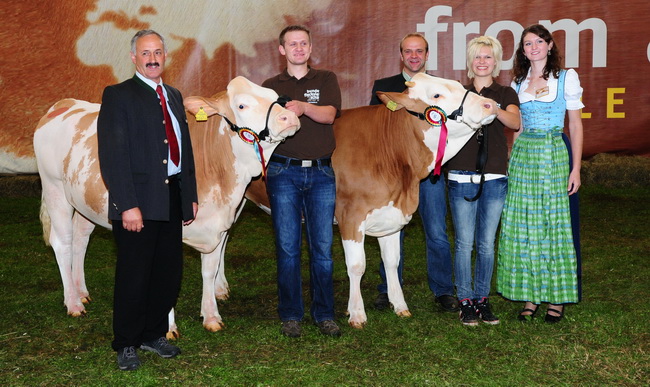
200,115
392,105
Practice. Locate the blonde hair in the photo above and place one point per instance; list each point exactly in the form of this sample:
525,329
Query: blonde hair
475,45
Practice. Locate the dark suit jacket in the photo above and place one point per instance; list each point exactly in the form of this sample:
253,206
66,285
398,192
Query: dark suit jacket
132,149
394,84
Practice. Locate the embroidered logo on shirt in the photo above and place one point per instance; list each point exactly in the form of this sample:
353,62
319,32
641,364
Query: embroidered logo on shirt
312,96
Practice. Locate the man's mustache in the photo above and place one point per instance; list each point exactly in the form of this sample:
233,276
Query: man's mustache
153,64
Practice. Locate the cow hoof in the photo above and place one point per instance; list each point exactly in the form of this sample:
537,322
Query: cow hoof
404,313
86,300
222,296
214,326
173,335
79,313
357,325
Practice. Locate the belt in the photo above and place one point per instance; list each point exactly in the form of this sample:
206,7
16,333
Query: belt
474,178
325,162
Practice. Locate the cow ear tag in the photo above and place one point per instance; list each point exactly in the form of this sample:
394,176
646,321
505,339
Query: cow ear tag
435,116
391,105
201,115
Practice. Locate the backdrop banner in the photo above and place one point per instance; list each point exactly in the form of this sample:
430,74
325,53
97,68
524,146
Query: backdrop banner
74,48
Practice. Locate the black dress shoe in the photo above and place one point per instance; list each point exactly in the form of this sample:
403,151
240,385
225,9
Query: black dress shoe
553,314
527,314
448,303
381,302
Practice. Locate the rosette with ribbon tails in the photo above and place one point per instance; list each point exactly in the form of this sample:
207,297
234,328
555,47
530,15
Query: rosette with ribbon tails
437,117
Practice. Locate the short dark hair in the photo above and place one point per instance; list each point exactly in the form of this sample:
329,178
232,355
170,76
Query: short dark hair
142,33
413,35
294,27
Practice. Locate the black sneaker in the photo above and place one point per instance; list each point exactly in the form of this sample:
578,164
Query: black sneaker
483,311
162,347
381,302
291,328
127,359
467,313
329,328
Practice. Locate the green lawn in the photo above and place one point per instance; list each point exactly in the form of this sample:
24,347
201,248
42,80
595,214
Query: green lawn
605,340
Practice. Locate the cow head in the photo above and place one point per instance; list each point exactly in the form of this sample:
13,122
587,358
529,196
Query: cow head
249,106
427,94
468,108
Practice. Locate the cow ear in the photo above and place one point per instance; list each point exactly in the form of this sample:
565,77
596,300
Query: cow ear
393,101
193,104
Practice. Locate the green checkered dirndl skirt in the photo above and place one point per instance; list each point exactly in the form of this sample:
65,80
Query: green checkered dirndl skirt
537,258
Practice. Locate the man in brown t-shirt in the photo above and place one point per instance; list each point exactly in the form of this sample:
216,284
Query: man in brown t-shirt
301,185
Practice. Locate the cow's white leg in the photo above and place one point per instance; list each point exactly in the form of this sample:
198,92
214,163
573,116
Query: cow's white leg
81,230
59,213
221,288
209,267
355,260
172,332
389,246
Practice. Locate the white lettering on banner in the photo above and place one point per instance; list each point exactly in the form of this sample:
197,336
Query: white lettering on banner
431,27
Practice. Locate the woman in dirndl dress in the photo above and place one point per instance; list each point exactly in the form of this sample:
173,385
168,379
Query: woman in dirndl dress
539,254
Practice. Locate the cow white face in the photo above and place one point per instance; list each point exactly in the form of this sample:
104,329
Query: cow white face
449,95
251,103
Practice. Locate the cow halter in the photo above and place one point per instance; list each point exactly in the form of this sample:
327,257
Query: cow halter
436,116
250,137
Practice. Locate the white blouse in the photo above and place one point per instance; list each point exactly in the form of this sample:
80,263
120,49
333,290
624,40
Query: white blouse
572,90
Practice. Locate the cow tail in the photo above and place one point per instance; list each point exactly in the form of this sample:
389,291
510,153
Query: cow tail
45,221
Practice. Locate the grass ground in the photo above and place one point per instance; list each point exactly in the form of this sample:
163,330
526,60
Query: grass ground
604,340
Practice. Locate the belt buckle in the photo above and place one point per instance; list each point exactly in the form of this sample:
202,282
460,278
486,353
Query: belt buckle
306,163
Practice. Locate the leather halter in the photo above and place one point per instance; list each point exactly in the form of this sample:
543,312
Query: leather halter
265,133
250,137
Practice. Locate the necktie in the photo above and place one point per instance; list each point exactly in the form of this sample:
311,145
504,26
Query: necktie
169,128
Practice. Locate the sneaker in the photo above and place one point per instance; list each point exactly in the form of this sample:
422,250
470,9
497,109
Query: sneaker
291,328
467,313
127,359
162,347
329,328
448,303
484,313
381,302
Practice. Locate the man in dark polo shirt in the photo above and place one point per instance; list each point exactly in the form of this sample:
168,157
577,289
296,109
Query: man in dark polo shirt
301,185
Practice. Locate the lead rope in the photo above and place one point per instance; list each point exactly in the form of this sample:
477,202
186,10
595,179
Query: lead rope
481,159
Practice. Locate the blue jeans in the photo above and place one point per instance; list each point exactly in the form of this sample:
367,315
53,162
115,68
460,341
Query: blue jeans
433,211
475,222
296,192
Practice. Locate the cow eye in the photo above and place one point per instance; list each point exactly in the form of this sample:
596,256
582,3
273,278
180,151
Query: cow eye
436,96
241,106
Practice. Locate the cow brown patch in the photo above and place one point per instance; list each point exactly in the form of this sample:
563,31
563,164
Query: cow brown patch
213,155
56,112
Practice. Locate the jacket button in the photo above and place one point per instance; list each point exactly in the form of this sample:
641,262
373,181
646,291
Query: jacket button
163,122
164,161
166,181
165,141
